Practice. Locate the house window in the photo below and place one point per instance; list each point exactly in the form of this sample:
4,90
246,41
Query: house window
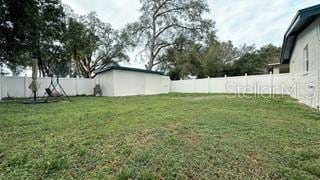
306,58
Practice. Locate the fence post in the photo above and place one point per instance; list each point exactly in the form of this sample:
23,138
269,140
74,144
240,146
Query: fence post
1,81
25,86
226,83
246,83
208,84
194,85
271,83
77,85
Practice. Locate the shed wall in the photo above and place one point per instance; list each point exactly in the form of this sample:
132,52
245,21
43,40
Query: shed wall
129,83
106,81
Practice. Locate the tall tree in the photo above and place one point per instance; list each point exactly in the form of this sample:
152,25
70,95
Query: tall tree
162,21
74,40
105,45
201,59
93,44
16,27
50,25
255,61
218,56
30,29
270,53
184,58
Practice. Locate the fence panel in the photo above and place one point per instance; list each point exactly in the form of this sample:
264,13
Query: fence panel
13,86
201,85
258,84
85,86
217,85
236,84
19,86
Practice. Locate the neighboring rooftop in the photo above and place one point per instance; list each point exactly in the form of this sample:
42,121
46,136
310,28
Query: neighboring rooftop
128,69
303,19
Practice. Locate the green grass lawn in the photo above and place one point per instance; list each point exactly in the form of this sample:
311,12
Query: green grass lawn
173,136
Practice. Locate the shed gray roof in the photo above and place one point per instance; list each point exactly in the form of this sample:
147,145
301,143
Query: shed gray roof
128,69
303,18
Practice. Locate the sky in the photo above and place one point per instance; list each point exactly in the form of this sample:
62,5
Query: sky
256,22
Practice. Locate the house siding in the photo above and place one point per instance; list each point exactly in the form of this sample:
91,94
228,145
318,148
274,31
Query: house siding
305,85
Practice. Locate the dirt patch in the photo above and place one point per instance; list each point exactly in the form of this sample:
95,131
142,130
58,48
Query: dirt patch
254,158
192,138
174,127
255,163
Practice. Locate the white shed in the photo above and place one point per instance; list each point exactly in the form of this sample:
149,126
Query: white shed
124,81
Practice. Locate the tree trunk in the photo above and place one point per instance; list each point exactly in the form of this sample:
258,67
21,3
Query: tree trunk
85,65
40,64
75,57
89,68
70,67
150,64
47,69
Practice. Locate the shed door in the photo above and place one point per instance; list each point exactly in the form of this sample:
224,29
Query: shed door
139,81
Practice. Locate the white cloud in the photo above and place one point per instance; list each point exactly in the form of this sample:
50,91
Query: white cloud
116,12
243,21
255,22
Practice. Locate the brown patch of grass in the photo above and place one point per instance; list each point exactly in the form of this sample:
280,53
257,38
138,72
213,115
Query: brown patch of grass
254,158
174,126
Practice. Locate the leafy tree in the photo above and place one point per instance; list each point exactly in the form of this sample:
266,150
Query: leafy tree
162,21
218,56
50,25
182,59
74,41
250,63
211,58
30,29
270,53
16,25
107,46
253,61
93,44
215,59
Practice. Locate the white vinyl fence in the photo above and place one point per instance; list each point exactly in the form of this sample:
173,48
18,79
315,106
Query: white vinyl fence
19,86
258,84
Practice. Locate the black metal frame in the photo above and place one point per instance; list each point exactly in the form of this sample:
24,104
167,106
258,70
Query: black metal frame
54,86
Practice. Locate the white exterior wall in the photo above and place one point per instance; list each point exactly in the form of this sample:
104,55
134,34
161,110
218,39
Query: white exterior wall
306,88
106,81
128,83
131,83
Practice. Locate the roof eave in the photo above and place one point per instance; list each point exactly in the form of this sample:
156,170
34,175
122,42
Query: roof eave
128,69
302,19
